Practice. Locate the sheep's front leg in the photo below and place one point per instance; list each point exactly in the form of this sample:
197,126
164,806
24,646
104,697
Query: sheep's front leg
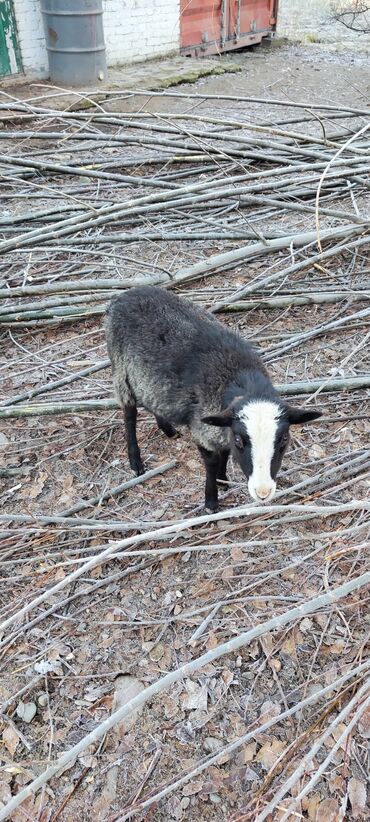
222,465
130,415
211,462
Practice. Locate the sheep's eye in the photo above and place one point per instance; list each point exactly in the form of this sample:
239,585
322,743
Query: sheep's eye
238,441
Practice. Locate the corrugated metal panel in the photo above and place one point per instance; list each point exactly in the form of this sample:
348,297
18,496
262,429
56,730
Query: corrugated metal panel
254,17
213,26
200,22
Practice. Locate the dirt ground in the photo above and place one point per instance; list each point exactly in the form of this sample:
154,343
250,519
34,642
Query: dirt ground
132,619
298,72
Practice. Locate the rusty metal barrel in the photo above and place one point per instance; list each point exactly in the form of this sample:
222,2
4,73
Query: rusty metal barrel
75,41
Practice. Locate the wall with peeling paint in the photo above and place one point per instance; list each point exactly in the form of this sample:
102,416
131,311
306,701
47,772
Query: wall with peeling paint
10,60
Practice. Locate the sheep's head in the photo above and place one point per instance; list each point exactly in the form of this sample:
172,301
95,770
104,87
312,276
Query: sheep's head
259,436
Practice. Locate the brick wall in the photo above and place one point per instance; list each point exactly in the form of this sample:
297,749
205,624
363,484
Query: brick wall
137,29
133,29
31,37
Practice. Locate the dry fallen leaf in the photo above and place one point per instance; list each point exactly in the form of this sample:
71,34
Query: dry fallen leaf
37,487
364,724
270,752
192,788
289,646
247,753
196,696
328,811
310,803
337,732
170,706
306,625
5,793
228,572
227,676
357,797
336,647
269,710
26,711
126,688
10,739
60,574
268,643
335,783
157,652
237,554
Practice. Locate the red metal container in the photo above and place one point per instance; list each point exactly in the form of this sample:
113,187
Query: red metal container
215,26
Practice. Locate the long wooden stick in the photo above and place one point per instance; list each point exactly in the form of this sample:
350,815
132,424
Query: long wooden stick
80,307
119,489
79,406
267,101
259,283
51,386
314,298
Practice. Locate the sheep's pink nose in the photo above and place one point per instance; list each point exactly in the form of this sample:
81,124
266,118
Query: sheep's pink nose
263,493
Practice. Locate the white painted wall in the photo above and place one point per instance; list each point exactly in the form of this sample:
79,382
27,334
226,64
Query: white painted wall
134,30
31,37
137,29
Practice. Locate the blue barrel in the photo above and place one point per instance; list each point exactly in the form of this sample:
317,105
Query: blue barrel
75,41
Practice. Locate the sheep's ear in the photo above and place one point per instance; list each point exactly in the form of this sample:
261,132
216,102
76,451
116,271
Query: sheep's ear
297,416
224,419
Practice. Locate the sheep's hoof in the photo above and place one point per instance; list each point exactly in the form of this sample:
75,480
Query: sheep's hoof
170,431
137,467
211,507
174,434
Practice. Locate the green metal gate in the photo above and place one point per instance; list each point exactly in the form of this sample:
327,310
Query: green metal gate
10,58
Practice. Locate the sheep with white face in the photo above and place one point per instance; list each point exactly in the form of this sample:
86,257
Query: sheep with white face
186,368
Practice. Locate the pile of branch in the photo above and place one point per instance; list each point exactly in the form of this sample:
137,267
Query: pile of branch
108,181
96,201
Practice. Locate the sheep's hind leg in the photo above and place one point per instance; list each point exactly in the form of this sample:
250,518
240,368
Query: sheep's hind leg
211,462
166,427
130,415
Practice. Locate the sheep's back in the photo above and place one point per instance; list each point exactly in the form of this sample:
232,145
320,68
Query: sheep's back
176,357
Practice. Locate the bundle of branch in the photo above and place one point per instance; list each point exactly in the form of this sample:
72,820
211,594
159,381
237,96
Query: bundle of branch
190,178
241,205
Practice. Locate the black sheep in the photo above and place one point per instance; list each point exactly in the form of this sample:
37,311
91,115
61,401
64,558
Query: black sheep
181,364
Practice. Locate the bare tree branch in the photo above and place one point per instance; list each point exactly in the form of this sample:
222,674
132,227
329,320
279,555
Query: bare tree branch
352,14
